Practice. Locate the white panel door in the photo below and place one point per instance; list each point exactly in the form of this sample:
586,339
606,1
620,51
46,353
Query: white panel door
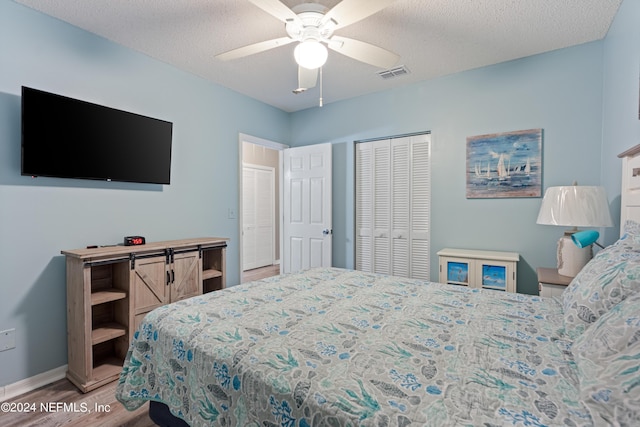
307,228
248,219
258,213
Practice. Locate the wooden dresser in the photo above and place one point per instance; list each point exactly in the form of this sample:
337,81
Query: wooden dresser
110,290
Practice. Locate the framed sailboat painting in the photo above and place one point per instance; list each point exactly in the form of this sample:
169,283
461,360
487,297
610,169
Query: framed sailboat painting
503,165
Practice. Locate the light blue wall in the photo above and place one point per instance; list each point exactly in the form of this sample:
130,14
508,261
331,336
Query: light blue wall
560,92
621,127
39,217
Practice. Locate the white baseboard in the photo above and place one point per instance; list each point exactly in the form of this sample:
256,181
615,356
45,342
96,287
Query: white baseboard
276,262
32,383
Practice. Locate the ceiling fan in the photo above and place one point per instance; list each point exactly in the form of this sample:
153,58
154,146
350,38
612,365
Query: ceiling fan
312,26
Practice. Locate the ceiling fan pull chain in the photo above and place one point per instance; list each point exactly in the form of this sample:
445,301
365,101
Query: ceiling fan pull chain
320,104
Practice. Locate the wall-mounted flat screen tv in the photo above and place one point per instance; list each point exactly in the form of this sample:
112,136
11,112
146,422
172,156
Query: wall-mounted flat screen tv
69,138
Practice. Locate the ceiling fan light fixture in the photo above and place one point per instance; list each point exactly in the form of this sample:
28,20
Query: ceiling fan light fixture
310,54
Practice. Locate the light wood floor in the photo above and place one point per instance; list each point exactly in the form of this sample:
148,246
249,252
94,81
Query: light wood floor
260,273
65,405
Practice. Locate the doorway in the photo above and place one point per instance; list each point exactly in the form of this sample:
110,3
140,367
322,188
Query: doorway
259,230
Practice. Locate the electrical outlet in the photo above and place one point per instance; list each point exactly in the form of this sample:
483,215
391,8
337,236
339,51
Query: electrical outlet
7,339
232,213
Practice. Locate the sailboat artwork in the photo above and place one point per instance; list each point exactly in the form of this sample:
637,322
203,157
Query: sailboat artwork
503,165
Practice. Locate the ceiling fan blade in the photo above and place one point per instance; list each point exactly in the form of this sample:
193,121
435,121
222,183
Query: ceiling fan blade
253,48
307,78
363,52
277,9
349,11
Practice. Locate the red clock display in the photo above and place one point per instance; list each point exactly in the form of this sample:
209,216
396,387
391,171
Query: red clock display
134,240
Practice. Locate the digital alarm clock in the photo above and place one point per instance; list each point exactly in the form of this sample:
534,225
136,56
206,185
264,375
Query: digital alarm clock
133,240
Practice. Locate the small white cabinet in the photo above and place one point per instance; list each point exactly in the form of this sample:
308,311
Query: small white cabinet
479,269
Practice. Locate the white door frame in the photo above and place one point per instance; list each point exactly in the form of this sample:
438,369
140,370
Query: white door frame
274,146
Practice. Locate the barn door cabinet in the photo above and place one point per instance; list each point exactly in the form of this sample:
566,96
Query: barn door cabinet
479,269
111,289
160,279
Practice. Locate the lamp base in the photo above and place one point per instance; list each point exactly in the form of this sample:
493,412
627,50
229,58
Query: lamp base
571,259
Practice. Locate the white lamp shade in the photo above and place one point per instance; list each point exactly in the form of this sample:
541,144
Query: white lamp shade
310,54
575,206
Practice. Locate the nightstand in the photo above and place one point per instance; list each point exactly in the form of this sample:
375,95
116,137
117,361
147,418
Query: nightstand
550,283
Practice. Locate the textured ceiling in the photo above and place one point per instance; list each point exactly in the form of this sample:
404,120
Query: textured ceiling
432,37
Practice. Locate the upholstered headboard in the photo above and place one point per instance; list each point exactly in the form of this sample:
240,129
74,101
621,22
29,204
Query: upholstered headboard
630,191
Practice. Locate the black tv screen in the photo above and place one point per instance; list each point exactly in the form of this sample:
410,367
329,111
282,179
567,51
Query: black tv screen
69,138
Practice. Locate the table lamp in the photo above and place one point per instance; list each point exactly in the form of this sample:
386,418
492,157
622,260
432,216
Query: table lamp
575,206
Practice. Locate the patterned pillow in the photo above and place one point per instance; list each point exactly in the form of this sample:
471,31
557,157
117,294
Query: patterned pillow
607,356
611,276
631,231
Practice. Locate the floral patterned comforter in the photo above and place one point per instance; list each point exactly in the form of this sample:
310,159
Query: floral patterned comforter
333,347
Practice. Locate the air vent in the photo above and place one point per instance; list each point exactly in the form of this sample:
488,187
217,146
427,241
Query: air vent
394,72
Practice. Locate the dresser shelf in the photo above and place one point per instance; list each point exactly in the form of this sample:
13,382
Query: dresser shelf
108,295
210,274
108,367
107,332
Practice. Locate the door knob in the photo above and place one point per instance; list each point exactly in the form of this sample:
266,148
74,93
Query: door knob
327,231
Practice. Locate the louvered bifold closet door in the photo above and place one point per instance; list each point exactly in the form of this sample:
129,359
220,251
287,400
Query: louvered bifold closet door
364,209
392,206
400,206
382,207
420,206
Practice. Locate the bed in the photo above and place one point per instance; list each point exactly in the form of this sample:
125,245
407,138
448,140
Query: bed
335,347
